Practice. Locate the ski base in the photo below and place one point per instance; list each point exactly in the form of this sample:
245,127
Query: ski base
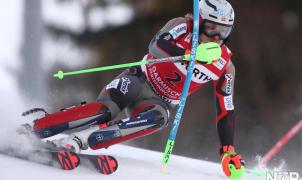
104,164
67,160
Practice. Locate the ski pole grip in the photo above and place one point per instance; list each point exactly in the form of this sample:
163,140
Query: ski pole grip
60,75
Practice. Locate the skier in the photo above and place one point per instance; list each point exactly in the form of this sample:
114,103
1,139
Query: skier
148,92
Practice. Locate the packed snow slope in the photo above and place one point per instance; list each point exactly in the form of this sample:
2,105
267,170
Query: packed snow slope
134,164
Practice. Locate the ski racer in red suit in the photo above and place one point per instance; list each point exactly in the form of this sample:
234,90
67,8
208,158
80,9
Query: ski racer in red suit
147,93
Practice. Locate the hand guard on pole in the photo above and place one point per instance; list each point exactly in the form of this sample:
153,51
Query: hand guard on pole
206,54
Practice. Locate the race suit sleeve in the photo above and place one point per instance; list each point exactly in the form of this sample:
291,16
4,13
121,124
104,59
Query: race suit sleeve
224,105
163,43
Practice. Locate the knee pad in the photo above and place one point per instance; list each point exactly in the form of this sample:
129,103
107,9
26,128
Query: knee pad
121,92
71,118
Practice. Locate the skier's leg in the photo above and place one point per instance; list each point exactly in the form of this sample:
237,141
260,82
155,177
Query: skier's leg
148,116
70,118
113,98
118,94
123,90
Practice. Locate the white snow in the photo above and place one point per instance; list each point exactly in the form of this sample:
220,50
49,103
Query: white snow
134,164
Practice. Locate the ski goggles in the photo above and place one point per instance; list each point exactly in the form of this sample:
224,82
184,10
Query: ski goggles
212,29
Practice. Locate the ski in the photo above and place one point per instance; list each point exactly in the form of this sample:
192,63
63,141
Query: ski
104,164
66,160
59,156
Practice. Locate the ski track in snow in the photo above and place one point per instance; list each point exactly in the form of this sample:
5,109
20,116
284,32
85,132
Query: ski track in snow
134,163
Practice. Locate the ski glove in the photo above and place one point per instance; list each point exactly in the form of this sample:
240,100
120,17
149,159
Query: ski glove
206,53
232,163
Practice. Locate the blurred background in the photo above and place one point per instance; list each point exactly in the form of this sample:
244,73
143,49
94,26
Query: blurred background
38,38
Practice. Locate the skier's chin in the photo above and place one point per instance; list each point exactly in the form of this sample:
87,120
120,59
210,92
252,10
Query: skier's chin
200,41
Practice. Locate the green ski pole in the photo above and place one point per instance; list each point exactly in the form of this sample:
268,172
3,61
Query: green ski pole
207,52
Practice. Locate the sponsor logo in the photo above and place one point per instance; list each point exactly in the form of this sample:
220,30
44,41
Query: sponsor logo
228,87
168,37
282,175
164,98
228,102
99,137
125,120
161,96
137,122
47,133
178,30
113,84
124,86
222,12
219,63
198,75
117,134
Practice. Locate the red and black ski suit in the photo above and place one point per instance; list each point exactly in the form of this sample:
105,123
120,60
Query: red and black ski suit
147,93
168,78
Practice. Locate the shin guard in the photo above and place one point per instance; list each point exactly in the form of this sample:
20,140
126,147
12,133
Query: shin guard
71,118
126,129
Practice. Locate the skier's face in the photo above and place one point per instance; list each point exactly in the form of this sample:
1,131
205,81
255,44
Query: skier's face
204,39
214,32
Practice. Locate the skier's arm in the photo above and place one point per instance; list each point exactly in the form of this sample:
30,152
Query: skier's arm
224,105
163,43
225,121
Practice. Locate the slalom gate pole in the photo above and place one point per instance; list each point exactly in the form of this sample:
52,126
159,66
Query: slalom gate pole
181,105
259,171
279,145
